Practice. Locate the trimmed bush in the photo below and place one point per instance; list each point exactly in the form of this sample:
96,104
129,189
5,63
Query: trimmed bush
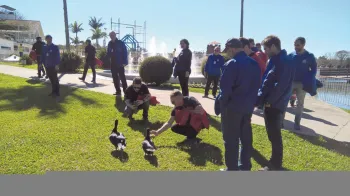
102,55
226,57
70,63
29,61
155,69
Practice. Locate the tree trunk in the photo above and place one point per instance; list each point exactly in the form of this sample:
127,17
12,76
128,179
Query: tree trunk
76,45
242,5
66,24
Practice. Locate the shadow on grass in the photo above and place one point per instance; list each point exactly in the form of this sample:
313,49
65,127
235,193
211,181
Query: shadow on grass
119,104
121,155
153,160
342,148
202,152
141,125
36,96
309,117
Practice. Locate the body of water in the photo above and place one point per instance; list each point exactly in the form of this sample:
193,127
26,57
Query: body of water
335,91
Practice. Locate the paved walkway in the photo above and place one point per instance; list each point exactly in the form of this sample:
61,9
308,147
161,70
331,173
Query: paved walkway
319,117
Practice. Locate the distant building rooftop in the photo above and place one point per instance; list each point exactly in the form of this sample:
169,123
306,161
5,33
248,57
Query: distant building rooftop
24,31
8,8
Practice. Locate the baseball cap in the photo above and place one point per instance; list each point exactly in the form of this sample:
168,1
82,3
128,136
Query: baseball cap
232,43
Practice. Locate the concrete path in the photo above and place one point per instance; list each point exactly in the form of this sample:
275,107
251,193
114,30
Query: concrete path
319,117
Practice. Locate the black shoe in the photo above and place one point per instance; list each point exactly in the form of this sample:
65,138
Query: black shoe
205,96
47,77
82,79
93,81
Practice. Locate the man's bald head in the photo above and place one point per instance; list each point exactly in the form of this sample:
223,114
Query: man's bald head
113,35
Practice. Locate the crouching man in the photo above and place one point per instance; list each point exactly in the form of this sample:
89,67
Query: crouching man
137,97
189,115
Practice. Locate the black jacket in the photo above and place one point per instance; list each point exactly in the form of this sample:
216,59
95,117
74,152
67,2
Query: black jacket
91,52
38,47
183,61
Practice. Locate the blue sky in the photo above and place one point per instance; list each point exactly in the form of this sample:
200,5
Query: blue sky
324,24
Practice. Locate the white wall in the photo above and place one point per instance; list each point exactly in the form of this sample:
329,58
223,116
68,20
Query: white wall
4,52
7,48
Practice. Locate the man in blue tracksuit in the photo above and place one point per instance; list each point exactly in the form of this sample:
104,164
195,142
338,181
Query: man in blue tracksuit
274,95
305,76
51,59
239,85
118,54
213,69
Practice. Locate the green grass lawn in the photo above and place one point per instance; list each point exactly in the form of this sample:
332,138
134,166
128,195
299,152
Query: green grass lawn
39,134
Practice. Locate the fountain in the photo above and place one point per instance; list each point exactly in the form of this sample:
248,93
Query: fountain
136,57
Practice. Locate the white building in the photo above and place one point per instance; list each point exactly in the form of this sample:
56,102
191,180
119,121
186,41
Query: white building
15,32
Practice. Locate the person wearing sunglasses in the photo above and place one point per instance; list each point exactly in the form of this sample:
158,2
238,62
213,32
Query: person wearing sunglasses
137,97
185,109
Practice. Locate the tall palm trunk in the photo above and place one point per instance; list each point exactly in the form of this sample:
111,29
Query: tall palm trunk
242,5
66,24
76,45
97,44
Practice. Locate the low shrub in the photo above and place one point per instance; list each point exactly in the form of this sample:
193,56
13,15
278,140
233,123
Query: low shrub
102,55
155,69
70,63
226,57
29,61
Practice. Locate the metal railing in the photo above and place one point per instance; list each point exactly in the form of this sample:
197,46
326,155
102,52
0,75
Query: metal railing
335,91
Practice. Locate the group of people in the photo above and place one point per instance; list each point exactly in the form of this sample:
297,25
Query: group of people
250,79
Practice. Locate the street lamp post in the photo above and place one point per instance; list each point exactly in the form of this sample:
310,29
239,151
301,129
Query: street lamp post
242,8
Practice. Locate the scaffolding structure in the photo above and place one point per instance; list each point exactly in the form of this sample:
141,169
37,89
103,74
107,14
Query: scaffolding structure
131,40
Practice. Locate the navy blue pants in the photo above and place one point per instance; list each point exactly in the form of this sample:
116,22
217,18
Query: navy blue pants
236,127
273,119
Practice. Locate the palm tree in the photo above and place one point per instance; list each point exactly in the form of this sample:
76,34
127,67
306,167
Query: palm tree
76,42
66,24
97,34
95,24
242,5
76,28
